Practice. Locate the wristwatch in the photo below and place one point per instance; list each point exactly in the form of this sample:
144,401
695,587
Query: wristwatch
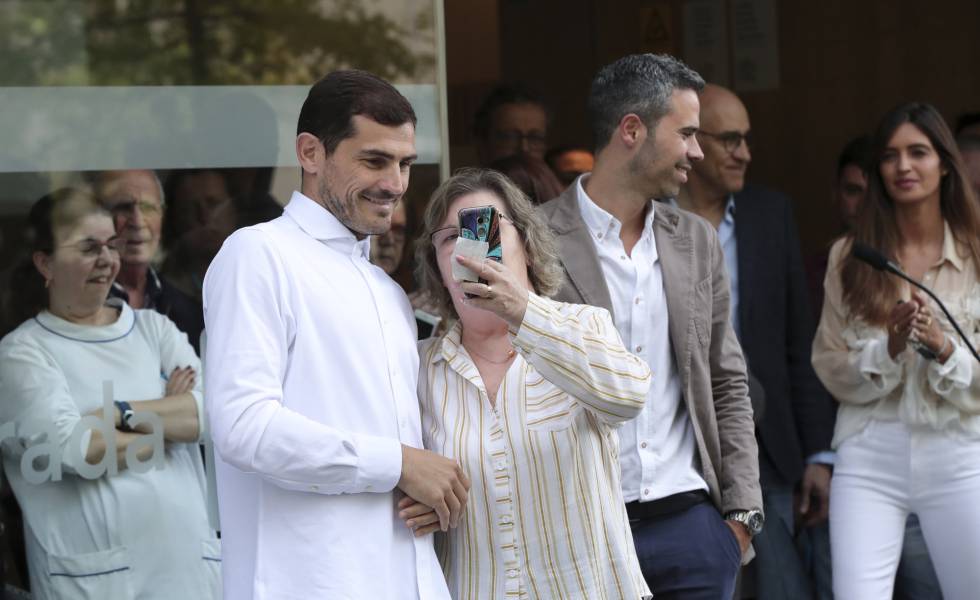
126,413
751,519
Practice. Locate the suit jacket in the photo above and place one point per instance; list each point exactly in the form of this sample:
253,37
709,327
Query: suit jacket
709,360
777,331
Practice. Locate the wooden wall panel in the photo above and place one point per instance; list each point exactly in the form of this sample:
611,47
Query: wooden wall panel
842,64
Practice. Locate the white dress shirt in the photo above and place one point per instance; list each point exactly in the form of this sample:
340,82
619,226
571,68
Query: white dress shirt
657,448
311,374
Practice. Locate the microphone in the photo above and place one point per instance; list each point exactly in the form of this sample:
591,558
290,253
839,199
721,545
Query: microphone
878,262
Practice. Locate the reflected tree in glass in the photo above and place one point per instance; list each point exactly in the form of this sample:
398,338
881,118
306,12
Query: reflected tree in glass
212,42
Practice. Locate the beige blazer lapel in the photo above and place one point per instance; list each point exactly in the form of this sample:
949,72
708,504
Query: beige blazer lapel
577,252
676,255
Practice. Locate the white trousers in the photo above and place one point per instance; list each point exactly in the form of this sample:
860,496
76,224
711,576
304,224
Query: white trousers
880,476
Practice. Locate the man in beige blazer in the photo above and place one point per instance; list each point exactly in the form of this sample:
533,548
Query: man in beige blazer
689,462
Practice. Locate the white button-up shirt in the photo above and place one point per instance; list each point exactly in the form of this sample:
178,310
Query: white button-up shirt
311,372
657,449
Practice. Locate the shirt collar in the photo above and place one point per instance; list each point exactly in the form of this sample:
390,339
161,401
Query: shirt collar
451,351
91,333
600,223
154,288
729,216
951,253
321,225
450,344
730,210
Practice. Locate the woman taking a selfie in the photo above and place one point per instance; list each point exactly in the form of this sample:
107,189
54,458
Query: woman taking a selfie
116,510
908,429
526,394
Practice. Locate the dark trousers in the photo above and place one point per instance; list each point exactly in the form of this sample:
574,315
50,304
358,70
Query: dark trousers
691,554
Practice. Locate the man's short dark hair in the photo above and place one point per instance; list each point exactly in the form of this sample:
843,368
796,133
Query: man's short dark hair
641,84
333,101
499,96
856,152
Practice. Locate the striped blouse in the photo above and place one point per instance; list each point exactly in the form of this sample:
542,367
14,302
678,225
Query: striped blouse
545,517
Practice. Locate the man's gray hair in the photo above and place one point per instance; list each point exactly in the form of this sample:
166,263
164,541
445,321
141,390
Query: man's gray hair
640,84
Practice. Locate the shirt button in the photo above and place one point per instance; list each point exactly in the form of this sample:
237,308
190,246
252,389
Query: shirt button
599,235
639,348
637,301
314,487
622,257
512,573
646,491
643,445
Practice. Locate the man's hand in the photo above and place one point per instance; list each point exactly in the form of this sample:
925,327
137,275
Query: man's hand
814,495
434,481
741,534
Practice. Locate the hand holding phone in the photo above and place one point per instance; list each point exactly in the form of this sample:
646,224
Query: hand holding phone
481,224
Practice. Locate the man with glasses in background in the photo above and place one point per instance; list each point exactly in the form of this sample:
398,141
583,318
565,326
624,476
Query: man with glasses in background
512,121
135,199
773,321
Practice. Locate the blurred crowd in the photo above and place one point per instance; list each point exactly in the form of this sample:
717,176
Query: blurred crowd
104,330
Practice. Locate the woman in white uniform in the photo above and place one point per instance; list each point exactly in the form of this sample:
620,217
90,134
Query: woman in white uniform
113,500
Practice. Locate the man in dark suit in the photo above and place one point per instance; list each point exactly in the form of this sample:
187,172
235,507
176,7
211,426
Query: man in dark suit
774,323
689,460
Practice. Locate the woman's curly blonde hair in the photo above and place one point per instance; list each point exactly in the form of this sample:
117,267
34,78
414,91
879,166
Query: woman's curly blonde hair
540,246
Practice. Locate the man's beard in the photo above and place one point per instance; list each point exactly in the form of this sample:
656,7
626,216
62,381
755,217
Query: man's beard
344,210
654,188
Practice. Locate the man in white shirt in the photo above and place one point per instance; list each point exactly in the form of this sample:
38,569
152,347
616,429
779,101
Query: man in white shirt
311,373
689,461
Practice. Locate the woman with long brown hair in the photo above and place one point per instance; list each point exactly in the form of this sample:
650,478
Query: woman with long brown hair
908,429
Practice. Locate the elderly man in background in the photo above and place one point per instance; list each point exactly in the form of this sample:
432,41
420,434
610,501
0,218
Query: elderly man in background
512,120
774,323
135,200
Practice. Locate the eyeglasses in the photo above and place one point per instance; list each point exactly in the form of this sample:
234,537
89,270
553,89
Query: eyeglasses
730,140
515,138
92,248
146,208
446,236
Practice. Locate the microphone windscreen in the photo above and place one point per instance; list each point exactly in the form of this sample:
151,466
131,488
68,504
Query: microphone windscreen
866,253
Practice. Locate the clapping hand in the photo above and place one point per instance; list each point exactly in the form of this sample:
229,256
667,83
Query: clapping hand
925,328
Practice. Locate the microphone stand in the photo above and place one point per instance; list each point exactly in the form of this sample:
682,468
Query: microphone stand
891,268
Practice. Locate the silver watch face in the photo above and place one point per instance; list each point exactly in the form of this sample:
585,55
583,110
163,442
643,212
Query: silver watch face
754,522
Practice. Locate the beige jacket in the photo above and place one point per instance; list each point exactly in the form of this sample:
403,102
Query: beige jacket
709,358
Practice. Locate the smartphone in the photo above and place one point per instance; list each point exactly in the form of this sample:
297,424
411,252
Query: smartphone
482,223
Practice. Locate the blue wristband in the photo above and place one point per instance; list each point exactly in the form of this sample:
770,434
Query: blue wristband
125,414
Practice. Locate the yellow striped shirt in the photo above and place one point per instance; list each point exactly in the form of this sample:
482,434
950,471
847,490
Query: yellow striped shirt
545,518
